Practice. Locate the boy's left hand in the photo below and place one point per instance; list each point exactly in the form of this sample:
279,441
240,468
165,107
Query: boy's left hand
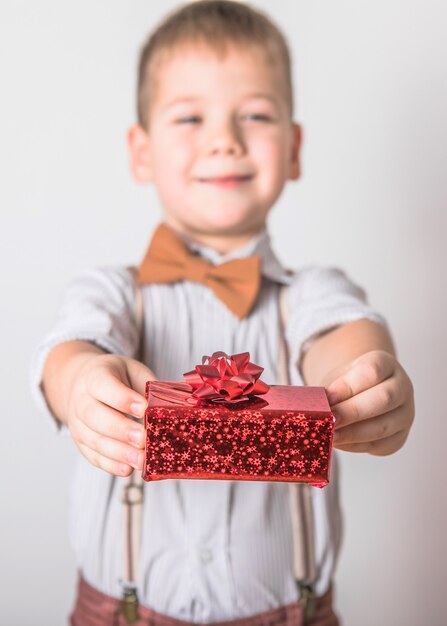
373,403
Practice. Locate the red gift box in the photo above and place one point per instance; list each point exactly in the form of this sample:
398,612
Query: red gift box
285,435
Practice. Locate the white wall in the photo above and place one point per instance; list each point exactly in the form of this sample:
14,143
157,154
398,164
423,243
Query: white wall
372,97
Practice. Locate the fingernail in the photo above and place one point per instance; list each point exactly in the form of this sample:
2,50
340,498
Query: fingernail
136,436
333,397
136,459
124,469
133,458
140,461
137,409
337,418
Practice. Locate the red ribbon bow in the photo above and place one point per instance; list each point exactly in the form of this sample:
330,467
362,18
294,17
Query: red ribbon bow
226,378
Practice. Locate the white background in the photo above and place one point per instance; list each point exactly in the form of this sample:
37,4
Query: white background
372,97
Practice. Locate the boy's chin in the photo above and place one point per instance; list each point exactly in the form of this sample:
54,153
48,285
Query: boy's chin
224,237
229,229
227,222
219,222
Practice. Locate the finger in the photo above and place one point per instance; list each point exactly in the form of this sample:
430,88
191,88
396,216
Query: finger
114,450
367,371
104,420
373,429
375,401
381,447
138,375
107,387
108,465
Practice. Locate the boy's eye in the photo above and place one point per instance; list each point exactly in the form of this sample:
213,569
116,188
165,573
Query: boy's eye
188,119
258,117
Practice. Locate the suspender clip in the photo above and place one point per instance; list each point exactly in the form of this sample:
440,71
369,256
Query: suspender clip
129,604
307,601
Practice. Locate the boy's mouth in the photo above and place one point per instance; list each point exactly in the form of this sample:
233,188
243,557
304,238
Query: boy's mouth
229,181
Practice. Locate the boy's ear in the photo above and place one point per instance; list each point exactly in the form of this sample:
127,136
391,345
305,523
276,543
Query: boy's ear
295,165
140,161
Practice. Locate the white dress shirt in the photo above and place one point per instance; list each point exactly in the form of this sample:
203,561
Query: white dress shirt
211,550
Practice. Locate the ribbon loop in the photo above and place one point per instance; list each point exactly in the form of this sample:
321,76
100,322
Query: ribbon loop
225,378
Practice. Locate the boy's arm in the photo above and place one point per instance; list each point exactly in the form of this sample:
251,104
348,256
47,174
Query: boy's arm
93,393
60,369
370,393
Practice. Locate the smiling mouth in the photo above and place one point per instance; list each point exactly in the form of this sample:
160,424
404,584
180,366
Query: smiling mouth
226,181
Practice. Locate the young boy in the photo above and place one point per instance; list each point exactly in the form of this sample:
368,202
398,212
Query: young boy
216,138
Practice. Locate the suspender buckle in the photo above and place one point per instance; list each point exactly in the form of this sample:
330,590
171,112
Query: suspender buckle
133,494
307,601
129,604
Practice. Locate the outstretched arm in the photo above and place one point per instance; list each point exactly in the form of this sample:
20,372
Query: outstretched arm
370,393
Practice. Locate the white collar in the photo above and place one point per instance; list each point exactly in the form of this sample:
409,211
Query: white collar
259,245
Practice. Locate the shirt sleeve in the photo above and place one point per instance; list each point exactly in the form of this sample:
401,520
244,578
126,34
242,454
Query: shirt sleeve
98,306
319,300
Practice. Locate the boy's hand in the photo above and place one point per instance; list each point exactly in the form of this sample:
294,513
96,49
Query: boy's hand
101,396
373,403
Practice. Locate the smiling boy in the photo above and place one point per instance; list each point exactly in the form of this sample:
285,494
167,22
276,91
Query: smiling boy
217,139
219,149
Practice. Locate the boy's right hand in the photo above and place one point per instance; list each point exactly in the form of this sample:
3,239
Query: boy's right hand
99,402
94,394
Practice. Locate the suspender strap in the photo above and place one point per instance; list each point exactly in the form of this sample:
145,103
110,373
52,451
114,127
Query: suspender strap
300,494
132,515
133,495
300,497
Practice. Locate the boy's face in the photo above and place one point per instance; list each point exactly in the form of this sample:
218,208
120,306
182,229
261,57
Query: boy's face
220,144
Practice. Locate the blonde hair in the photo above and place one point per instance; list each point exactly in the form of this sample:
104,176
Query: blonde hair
216,23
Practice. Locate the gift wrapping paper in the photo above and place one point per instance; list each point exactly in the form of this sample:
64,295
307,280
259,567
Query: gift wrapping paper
284,435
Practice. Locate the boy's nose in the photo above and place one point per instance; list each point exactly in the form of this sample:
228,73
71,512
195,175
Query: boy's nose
226,140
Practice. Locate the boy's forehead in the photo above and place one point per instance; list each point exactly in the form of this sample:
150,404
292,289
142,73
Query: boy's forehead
199,69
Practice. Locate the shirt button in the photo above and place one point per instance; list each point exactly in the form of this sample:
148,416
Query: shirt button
206,556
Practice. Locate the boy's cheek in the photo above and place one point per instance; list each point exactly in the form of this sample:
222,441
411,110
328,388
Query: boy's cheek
178,154
271,147
274,161
172,156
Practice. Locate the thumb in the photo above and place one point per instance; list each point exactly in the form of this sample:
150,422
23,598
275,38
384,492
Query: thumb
138,375
365,372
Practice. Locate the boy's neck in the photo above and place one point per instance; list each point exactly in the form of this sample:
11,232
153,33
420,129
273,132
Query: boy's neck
223,244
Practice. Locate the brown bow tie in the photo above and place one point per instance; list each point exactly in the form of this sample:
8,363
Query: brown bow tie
168,260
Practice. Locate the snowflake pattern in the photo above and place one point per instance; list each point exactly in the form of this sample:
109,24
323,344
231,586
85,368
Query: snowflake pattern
221,442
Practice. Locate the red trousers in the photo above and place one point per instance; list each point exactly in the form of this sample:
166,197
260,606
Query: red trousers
94,608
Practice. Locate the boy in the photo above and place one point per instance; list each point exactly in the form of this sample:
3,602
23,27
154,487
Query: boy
216,138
